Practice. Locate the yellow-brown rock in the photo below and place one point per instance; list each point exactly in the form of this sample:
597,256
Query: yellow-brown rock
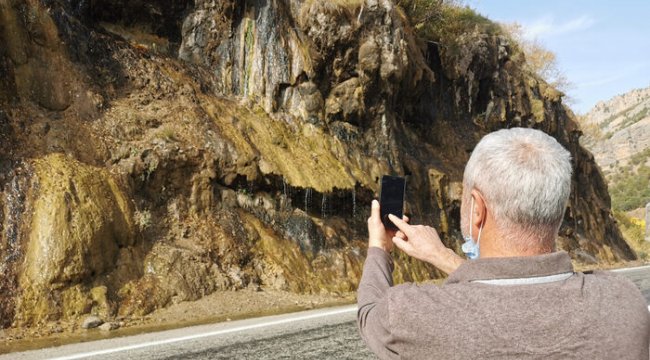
81,218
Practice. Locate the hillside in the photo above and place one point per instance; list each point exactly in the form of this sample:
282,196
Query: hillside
154,152
617,132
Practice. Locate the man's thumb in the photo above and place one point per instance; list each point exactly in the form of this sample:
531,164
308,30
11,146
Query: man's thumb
374,209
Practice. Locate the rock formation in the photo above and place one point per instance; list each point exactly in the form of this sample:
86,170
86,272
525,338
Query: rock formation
157,151
616,130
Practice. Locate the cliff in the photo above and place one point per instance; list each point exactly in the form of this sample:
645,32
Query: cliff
156,151
616,132
617,129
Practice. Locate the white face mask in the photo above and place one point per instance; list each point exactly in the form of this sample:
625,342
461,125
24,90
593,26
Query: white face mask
471,248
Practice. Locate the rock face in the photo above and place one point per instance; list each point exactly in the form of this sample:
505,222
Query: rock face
616,130
80,221
138,176
617,133
38,66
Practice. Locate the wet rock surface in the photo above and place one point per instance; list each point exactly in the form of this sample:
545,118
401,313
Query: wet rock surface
156,156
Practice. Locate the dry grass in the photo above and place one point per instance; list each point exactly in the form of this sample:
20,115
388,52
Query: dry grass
349,4
348,8
168,133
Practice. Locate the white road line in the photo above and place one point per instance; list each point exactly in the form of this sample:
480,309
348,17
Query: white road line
208,334
630,269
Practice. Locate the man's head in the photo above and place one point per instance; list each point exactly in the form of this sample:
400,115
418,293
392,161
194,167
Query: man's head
520,180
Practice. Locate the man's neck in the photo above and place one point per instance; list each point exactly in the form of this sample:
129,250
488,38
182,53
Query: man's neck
492,254
495,244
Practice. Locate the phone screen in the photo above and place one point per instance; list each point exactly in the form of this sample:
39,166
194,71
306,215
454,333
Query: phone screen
391,199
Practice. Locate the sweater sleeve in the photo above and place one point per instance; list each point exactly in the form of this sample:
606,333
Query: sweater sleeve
373,317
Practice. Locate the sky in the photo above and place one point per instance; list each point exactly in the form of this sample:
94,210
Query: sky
603,47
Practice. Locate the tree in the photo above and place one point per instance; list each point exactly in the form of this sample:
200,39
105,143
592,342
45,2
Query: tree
540,60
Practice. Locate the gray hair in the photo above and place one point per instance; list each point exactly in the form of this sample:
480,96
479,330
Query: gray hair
524,176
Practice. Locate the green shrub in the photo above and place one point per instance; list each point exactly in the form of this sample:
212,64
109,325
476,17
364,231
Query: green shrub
631,189
443,21
631,120
640,157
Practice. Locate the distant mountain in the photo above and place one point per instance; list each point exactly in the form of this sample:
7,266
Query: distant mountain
617,132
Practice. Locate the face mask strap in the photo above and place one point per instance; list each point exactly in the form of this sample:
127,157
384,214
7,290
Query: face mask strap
480,229
471,213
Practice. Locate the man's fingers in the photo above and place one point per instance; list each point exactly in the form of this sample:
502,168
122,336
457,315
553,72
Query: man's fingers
402,245
400,234
406,218
401,224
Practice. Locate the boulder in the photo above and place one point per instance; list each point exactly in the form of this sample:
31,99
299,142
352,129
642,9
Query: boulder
91,322
109,326
80,220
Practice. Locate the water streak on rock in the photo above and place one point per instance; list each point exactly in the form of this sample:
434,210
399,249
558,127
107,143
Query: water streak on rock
354,202
323,206
308,196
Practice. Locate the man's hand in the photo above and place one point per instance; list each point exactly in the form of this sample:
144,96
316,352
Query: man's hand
422,242
378,235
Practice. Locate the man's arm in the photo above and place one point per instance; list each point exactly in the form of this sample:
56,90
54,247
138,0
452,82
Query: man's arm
372,297
373,317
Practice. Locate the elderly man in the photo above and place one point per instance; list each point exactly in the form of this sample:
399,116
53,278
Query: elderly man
516,298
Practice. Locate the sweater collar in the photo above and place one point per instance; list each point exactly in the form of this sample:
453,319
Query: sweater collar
512,267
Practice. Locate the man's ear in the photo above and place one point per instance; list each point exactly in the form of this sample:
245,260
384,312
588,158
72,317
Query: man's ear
480,209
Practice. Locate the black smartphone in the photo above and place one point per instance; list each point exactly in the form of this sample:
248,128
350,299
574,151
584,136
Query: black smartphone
391,199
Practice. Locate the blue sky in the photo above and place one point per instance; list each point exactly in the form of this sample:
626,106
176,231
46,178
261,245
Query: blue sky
603,47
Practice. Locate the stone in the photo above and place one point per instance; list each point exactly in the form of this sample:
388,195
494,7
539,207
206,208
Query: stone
345,102
109,326
369,56
91,322
306,102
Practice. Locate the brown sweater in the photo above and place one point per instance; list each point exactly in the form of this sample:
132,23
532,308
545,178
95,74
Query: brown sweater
548,313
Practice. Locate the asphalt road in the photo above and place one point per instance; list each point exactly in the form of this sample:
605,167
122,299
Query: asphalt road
641,277
315,334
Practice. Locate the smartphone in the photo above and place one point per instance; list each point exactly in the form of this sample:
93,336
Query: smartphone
391,199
